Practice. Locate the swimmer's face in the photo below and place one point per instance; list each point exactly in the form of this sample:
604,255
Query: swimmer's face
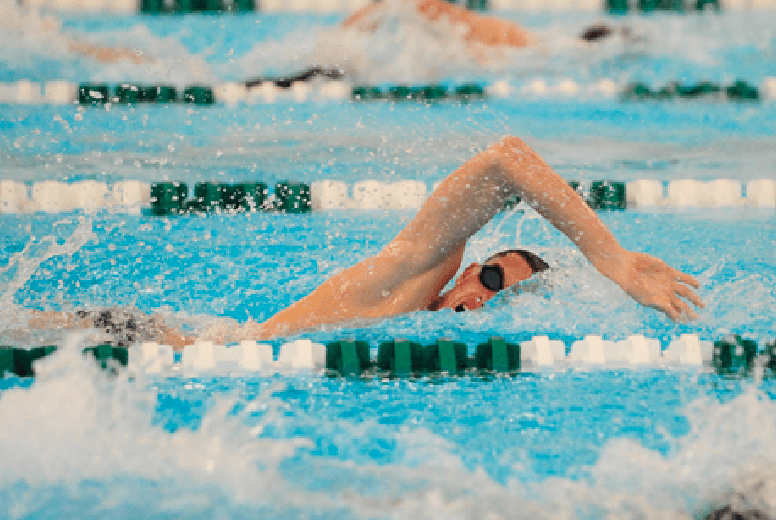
473,288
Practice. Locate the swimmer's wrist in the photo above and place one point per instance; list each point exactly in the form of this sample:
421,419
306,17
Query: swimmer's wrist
610,261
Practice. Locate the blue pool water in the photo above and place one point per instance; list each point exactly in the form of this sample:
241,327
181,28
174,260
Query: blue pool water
656,443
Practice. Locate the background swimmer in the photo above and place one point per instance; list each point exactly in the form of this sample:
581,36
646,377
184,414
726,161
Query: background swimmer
445,28
26,23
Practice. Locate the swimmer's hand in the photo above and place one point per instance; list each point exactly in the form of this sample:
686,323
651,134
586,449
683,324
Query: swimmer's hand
653,283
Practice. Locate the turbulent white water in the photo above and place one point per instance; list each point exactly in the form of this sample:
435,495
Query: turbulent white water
81,440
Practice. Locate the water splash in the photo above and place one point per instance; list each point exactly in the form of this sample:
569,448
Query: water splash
22,265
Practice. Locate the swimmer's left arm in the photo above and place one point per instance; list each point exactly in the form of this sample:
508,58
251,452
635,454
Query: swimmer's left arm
647,279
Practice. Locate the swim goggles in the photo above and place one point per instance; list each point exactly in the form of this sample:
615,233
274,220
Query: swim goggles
492,277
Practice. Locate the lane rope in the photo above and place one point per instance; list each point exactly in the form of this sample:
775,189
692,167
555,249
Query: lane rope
171,198
730,355
322,90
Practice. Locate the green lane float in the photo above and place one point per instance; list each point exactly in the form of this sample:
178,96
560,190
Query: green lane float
700,5
602,195
92,94
477,5
445,356
424,93
159,94
400,357
366,93
432,92
648,6
20,362
127,94
208,196
738,91
247,196
400,92
196,6
470,91
607,195
742,91
199,95
107,355
497,356
132,93
770,351
347,358
6,361
661,5
292,197
734,355
168,198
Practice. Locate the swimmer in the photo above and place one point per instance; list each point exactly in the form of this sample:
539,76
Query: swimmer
411,272
482,33
480,29
17,20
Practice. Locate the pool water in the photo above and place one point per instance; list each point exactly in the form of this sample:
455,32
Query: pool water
646,443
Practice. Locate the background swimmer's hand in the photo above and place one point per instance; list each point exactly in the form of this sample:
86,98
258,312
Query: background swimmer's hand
653,283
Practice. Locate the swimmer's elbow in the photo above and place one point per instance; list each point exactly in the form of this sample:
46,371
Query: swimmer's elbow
512,143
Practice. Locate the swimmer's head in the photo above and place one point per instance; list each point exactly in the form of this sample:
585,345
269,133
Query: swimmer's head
479,283
598,32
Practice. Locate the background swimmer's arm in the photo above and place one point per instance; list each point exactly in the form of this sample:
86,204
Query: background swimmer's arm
107,54
356,18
